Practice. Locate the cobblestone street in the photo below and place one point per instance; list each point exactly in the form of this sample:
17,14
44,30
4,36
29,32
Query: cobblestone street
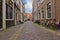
27,31
29,19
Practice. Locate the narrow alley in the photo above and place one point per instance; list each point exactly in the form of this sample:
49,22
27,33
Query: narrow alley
28,31
29,19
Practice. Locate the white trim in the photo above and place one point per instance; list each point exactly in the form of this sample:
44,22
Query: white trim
13,10
41,14
41,1
9,19
4,14
12,0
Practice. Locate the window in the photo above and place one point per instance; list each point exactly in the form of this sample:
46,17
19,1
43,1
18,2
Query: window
9,9
42,13
38,14
9,12
0,1
38,2
49,10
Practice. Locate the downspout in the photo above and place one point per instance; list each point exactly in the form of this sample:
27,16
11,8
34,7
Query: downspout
37,9
55,9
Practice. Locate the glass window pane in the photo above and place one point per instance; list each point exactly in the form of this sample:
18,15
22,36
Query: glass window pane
9,12
48,10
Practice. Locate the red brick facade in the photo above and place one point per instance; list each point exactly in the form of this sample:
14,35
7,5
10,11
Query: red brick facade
48,10
58,10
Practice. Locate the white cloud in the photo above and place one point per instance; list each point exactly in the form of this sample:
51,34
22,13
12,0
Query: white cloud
29,1
29,5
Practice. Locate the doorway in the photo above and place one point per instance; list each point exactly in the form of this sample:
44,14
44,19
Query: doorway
0,13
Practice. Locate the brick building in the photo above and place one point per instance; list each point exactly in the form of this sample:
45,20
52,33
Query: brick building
58,10
48,10
22,10
17,11
6,13
34,13
9,13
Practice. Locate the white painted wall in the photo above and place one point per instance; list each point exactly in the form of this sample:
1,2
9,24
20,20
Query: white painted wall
4,14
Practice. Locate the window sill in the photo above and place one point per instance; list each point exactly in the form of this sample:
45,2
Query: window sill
9,19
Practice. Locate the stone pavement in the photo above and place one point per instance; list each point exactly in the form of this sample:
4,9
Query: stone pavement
6,34
28,31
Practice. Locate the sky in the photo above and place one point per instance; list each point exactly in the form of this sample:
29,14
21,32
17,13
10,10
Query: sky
28,6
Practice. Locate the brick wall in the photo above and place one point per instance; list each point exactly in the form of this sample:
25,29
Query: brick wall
58,10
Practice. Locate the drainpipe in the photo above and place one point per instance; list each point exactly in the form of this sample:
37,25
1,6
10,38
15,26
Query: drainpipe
37,9
13,9
55,9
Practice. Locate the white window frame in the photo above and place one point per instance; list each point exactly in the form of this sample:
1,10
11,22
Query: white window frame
46,13
12,12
